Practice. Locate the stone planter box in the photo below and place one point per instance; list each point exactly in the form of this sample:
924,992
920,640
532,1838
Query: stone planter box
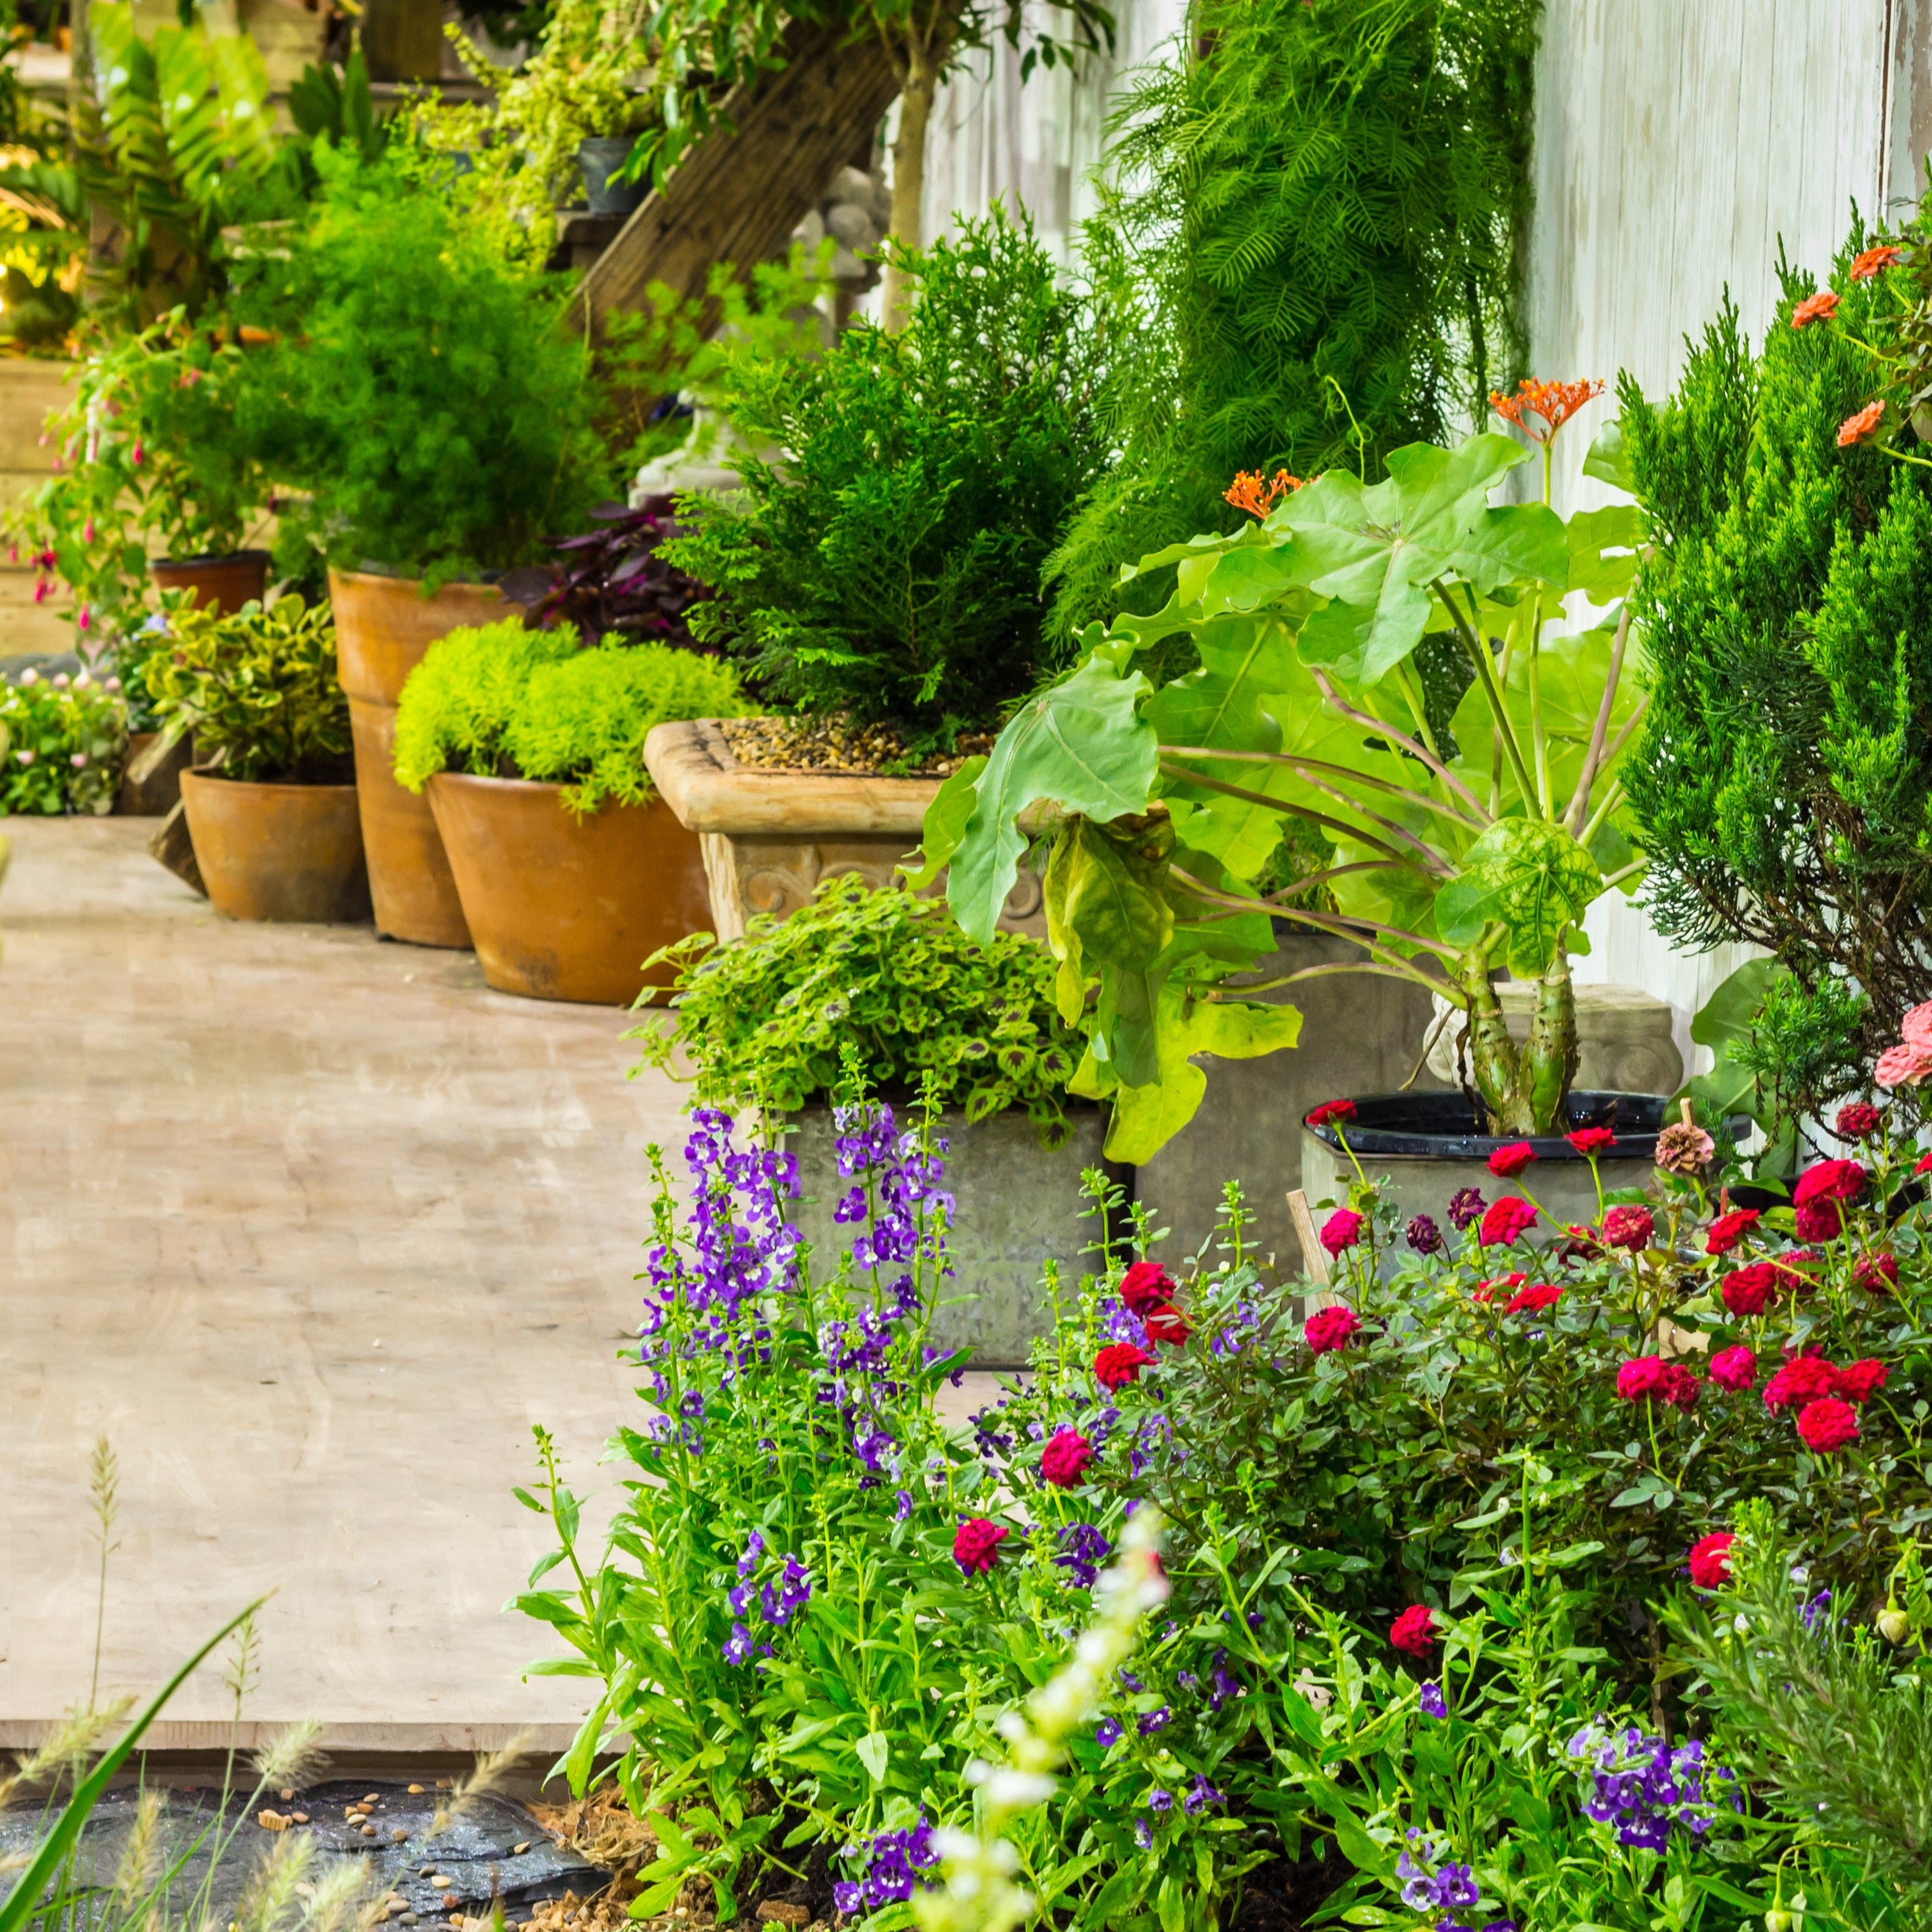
1017,1207
769,836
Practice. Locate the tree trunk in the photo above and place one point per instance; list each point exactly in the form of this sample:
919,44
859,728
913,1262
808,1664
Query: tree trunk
916,95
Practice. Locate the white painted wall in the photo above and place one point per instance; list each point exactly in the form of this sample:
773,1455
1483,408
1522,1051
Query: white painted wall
1677,141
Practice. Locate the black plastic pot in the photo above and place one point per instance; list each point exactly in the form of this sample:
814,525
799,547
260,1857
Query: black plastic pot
1444,1126
599,157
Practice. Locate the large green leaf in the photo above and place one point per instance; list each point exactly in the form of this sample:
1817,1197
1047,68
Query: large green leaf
1534,877
1603,547
1104,902
945,820
1079,746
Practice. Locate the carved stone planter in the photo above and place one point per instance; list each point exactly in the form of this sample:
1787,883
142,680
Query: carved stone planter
769,836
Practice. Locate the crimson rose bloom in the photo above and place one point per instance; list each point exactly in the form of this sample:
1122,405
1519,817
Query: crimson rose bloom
1818,1196
1342,1230
1801,1379
1119,1363
1734,1368
1859,1381
1748,1291
1330,1327
1923,1165
1535,1299
1879,1272
1167,1323
976,1545
1330,1111
1486,1291
1651,1377
1066,1457
1857,1120
1506,1163
1628,1228
1828,1424
1414,1630
1588,1141
1146,1285
1711,1559
1728,1230
1505,1221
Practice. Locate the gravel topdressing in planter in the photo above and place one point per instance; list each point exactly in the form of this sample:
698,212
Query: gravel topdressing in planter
1428,1147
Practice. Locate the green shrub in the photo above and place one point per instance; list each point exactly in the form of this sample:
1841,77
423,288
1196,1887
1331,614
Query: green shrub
62,745
771,1020
422,392
503,702
888,566
258,689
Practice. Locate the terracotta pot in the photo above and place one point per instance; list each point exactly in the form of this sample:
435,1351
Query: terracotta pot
222,583
383,628
291,853
565,908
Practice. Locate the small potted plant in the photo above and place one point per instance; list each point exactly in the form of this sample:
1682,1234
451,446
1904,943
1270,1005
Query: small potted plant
612,580
423,394
271,807
62,742
531,750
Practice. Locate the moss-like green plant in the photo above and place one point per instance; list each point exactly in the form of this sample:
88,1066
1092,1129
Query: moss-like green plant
768,1021
499,701
257,687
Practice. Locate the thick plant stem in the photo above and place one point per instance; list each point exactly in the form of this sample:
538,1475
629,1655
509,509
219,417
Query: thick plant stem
1550,1053
918,89
1494,1062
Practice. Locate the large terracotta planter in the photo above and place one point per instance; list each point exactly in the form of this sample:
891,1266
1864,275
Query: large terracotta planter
769,836
382,629
288,853
220,584
565,908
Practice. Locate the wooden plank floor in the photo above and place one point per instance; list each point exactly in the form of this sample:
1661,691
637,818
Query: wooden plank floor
313,1228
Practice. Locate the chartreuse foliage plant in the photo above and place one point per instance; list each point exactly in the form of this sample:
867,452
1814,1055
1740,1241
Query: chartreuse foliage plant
1431,1653
1458,851
771,1020
1785,772
501,701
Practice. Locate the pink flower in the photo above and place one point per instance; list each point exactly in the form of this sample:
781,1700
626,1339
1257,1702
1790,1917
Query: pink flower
1342,1230
1859,1381
1650,1378
1819,307
1067,1457
1146,1285
1588,1141
1628,1227
79,761
1330,1328
1828,1424
1734,1368
1505,1221
1711,1559
1923,1165
1506,1163
1906,1065
1413,1631
1916,1029
1860,425
1858,1120
976,1545
1728,1230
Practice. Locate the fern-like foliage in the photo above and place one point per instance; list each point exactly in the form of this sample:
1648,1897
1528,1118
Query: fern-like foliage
1310,255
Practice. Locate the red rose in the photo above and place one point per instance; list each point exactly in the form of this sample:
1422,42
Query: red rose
1414,1630
1119,1363
1506,1163
1342,1230
1167,1323
1711,1559
1879,1272
1330,1111
1588,1141
1728,1230
1859,1381
1858,1120
1800,1380
1650,1378
1923,1165
1748,1291
1505,1222
976,1545
1486,1290
1535,1299
1628,1228
1067,1457
1830,1181
1734,1368
1828,1424
1330,1328
1146,1285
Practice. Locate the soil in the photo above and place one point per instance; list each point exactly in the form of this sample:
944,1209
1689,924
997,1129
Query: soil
838,744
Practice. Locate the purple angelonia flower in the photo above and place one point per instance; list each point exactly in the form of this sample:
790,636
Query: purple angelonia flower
738,1645
1433,1703
1107,1734
1083,1549
1640,1785
1159,1800
901,1504
1154,1721
1144,1834
1203,1796
895,1864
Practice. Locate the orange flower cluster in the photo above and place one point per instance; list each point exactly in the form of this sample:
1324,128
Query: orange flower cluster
1865,266
1258,495
1860,427
1820,307
1555,402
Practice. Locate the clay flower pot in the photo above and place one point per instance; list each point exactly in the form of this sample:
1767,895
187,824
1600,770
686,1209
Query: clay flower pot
382,629
288,853
220,584
565,908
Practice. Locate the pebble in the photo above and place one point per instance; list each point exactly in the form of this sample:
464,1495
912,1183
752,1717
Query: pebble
835,745
428,1871
415,1791
517,1851
368,1831
398,1836
298,1817
287,1791
407,1918
374,1798
272,1821
440,1881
